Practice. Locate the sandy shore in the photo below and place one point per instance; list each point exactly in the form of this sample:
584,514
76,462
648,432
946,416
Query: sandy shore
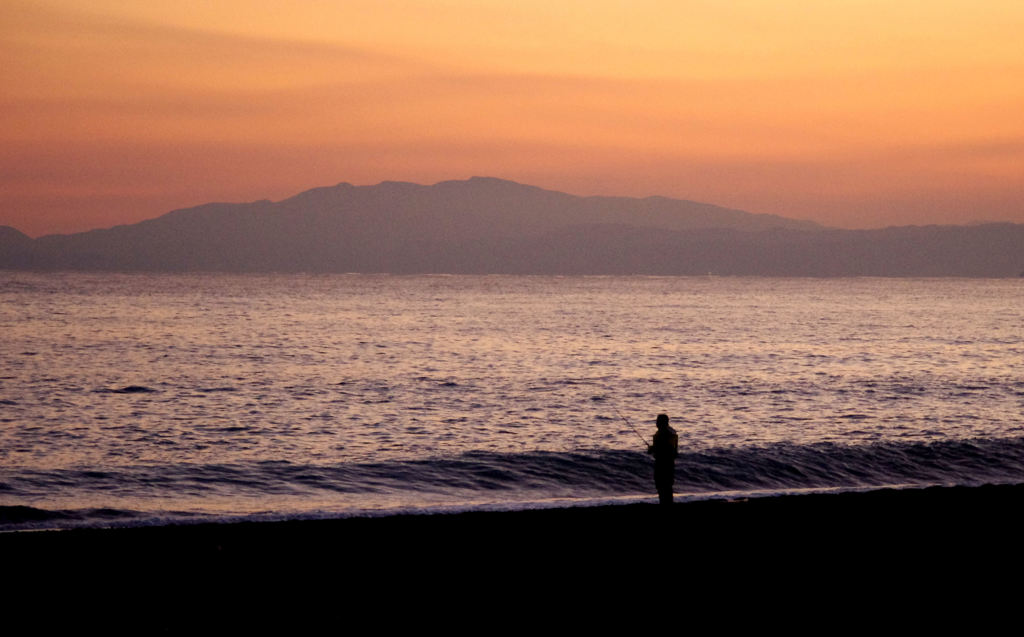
847,554
704,534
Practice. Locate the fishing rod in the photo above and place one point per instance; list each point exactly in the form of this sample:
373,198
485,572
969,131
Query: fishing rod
625,420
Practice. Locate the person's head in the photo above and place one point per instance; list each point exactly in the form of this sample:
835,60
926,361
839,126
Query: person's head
662,421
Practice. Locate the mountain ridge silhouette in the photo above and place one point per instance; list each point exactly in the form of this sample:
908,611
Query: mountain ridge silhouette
492,225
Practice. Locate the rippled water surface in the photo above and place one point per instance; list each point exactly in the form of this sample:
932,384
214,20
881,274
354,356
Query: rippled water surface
285,393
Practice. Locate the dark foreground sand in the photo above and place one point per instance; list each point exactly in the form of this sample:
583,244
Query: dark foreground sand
899,544
888,522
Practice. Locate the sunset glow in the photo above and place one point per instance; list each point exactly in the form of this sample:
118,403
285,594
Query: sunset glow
854,113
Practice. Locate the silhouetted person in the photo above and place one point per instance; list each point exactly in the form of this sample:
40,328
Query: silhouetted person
664,449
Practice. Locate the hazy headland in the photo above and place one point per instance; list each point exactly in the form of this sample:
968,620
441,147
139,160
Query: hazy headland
493,226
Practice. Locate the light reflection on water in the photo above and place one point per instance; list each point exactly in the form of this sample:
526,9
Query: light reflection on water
361,368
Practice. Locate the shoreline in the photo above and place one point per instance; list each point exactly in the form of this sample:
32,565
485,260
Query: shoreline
851,552
19,518
863,521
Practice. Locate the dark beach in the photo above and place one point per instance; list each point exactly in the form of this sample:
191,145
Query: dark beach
955,527
864,559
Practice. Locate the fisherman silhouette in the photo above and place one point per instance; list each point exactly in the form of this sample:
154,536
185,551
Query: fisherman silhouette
665,448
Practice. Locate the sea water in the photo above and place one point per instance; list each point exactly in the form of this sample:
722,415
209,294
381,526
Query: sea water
144,398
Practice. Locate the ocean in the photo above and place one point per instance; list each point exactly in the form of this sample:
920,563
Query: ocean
139,399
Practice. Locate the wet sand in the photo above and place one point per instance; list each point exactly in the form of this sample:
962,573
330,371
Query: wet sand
773,560
859,528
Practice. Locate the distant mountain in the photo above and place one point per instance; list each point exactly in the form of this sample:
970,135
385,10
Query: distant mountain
15,247
486,225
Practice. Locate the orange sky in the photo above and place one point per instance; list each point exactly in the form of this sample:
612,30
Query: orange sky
856,113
